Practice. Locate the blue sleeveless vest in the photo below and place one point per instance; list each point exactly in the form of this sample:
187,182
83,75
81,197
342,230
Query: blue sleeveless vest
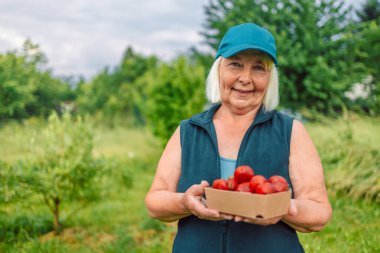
265,147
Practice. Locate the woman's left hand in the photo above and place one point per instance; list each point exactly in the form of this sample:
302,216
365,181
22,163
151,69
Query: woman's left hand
292,211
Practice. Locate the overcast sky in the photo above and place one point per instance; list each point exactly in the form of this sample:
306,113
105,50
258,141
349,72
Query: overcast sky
84,36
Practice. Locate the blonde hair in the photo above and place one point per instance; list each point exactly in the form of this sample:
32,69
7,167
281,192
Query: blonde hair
271,98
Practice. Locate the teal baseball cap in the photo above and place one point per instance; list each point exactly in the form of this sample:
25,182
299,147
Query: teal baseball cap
247,36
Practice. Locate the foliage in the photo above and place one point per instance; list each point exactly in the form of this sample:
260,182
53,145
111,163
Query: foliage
7,183
370,10
123,243
114,92
349,149
353,169
314,44
360,168
21,227
120,223
156,225
131,90
35,246
63,168
352,228
25,89
368,42
175,92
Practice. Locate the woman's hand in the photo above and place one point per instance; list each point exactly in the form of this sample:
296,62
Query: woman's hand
292,211
194,203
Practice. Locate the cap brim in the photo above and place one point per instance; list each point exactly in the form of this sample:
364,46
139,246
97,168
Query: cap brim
237,49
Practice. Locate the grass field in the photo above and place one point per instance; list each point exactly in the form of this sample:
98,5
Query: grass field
119,222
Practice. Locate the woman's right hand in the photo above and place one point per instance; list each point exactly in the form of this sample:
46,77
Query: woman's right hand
192,200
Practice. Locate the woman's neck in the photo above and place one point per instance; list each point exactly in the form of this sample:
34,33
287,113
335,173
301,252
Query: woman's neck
236,115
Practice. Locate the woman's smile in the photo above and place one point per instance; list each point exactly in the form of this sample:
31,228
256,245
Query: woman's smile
243,91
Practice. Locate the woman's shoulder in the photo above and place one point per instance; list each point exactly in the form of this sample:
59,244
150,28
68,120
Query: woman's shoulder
283,123
283,119
284,116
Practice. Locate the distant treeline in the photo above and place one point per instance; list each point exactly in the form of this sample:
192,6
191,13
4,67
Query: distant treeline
328,53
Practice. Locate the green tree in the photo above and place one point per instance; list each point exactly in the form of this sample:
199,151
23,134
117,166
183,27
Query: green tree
64,168
16,92
368,43
314,45
113,92
370,10
174,92
26,88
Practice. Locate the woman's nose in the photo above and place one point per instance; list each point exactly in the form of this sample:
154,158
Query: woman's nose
245,76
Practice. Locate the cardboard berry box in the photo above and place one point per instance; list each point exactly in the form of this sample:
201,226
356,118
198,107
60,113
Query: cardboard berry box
248,204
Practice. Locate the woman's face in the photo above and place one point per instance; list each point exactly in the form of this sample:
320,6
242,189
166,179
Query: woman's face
243,80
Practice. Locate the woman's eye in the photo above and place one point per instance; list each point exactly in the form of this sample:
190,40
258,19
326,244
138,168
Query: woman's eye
259,68
235,64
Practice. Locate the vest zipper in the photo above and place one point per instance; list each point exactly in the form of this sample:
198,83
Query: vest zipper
243,144
245,138
224,236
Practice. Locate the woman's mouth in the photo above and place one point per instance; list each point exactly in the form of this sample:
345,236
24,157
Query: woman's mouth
242,91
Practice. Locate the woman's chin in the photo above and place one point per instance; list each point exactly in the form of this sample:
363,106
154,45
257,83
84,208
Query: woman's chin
242,105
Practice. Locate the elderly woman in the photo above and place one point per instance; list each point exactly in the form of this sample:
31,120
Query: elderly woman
241,128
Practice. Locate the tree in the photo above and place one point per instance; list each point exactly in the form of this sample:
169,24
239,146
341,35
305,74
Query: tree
175,91
16,92
370,10
26,89
314,45
63,168
368,45
114,92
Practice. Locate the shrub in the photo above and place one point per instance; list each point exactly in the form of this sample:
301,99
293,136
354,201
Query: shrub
63,168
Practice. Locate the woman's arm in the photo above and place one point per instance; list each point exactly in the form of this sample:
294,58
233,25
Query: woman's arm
162,200
313,209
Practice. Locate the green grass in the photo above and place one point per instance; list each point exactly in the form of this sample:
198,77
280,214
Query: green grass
353,228
15,141
125,143
350,152
119,221
364,130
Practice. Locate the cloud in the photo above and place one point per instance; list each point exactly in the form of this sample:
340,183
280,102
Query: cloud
83,36
9,37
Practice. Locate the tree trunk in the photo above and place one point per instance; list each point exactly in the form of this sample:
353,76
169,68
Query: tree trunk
57,225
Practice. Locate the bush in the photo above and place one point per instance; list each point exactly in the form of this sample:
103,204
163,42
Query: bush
63,168
175,92
23,227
